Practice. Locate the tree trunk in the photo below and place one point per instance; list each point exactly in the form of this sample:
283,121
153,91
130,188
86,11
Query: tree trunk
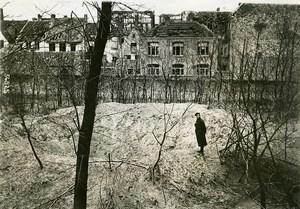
29,140
80,193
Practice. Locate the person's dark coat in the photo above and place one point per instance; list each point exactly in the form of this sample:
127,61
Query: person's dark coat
200,132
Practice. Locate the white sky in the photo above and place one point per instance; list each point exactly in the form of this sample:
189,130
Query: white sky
27,9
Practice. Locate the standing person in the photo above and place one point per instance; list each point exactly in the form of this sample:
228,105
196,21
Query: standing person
200,132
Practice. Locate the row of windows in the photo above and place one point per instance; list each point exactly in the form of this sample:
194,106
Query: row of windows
177,69
31,45
62,47
52,46
178,48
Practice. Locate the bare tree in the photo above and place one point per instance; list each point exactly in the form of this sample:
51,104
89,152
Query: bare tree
168,125
263,114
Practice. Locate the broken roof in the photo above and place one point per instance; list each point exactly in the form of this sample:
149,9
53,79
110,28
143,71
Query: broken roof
216,21
180,29
59,30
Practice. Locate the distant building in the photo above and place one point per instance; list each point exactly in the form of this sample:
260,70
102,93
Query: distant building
122,24
52,49
265,42
179,49
124,21
219,23
52,34
170,17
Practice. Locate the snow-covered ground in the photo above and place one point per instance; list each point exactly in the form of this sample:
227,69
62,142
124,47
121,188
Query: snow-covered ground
127,136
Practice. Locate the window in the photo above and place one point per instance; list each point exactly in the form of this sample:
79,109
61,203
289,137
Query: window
73,47
224,50
203,48
224,68
51,47
1,44
128,57
133,48
62,47
114,60
153,69
177,69
178,48
130,71
28,45
202,69
36,45
153,48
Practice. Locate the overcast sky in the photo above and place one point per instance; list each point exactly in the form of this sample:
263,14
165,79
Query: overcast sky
27,9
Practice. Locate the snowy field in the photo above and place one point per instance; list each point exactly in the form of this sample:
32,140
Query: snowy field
124,149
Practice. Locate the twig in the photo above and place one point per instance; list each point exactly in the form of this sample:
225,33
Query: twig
119,161
54,200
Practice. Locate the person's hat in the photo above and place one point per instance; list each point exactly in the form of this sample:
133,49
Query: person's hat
197,113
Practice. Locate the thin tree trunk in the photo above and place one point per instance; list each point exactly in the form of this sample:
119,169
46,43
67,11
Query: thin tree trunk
29,140
80,193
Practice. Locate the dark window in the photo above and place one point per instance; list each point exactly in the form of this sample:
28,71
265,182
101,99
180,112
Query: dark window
114,60
1,44
128,57
36,45
153,69
224,50
73,47
62,47
223,68
133,48
130,71
153,48
138,71
178,48
203,48
28,45
178,69
51,47
202,69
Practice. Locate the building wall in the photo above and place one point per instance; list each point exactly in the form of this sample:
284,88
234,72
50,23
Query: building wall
166,59
264,41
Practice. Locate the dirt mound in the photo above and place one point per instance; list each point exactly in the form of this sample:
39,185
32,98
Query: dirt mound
124,148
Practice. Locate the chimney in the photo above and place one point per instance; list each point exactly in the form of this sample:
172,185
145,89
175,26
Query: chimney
39,17
167,19
85,17
218,9
52,18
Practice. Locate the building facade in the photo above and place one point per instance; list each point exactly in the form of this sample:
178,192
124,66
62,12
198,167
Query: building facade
265,42
181,49
173,49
